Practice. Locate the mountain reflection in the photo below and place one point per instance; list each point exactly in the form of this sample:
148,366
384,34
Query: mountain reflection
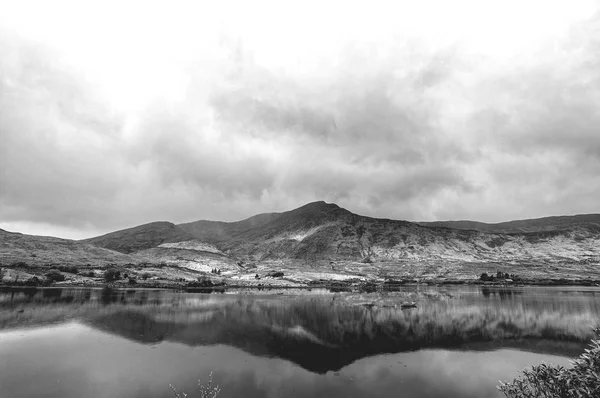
323,332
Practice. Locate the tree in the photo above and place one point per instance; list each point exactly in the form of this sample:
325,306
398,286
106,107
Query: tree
112,274
54,275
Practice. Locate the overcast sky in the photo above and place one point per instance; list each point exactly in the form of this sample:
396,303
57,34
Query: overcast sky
117,113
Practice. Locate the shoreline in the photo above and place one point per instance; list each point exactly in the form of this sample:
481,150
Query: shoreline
334,286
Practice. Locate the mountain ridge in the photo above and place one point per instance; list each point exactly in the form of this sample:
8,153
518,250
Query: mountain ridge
323,240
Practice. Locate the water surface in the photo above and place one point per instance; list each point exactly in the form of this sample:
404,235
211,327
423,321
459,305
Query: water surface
458,342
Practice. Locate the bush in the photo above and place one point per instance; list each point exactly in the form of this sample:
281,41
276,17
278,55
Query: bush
581,380
71,269
91,274
34,281
277,274
54,275
132,281
112,274
206,391
145,275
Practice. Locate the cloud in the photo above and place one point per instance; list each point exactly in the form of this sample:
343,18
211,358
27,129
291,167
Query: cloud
398,129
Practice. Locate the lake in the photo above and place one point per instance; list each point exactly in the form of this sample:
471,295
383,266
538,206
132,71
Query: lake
460,341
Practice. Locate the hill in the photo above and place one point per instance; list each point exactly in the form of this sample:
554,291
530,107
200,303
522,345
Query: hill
219,231
48,251
520,226
322,231
324,241
141,237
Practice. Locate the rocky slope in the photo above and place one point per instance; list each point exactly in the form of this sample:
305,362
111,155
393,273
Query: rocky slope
321,238
321,231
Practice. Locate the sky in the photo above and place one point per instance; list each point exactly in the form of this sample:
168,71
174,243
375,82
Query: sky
118,113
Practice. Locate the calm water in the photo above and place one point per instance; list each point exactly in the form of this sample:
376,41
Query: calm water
459,342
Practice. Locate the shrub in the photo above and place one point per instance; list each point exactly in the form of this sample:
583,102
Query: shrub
277,274
132,281
54,275
112,274
581,380
34,281
206,391
145,275
71,269
91,274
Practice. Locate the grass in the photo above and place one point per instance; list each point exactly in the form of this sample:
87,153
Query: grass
545,381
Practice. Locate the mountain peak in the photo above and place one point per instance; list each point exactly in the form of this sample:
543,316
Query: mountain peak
319,205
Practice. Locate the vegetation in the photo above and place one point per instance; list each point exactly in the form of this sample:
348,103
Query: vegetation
206,391
545,381
204,281
499,276
54,275
71,269
112,274
145,275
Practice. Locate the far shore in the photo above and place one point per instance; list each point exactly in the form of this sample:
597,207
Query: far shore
332,285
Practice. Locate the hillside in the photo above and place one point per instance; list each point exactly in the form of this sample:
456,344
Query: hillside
322,241
48,251
219,231
521,226
141,237
321,231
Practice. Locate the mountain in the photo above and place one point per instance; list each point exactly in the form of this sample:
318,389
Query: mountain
324,241
321,233
325,231
141,237
520,226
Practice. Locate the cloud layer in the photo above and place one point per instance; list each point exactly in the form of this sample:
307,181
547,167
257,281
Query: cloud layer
391,128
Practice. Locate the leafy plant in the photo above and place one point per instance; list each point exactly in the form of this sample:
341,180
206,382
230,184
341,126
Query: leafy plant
71,269
112,274
545,381
54,275
206,391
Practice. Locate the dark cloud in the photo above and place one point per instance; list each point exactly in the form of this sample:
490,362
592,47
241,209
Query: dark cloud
403,131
